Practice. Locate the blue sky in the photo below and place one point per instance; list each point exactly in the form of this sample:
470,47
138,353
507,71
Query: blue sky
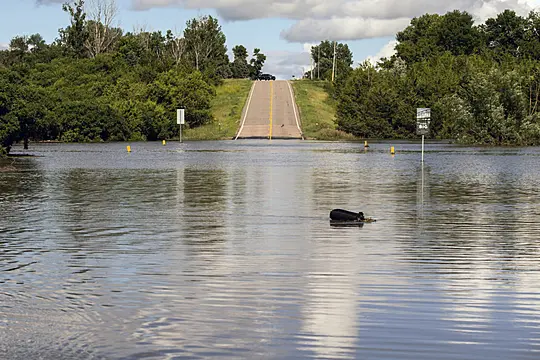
283,29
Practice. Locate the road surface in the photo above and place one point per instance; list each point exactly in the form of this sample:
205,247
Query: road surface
270,112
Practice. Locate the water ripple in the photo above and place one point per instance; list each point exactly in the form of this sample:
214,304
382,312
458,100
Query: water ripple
224,249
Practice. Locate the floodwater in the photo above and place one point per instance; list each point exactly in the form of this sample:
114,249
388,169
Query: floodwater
224,249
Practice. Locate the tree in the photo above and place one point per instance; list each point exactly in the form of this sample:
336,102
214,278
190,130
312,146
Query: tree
418,40
75,36
177,89
323,56
9,125
457,34
431,35
239,67
176,46
102,36
506,33
257,63
205,43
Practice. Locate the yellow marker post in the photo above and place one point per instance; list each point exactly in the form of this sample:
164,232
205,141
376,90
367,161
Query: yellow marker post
128,148
366,144
164,143
271,106
392,150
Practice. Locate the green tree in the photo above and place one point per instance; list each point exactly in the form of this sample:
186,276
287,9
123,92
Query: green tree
240,67
75,36
179,90
505,34
205,43
256,63
431,35
323,56
9,125
457,34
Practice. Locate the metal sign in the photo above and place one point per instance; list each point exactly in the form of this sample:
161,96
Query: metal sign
423,117
180,117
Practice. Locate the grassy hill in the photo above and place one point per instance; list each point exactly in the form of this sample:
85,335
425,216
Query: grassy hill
227,109
317,111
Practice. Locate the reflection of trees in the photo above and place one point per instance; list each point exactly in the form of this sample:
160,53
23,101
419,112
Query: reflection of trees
22,219
382,191
22,199
477,241
205,196
102,207
21,185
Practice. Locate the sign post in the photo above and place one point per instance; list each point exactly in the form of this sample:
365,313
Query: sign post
423,118
180,120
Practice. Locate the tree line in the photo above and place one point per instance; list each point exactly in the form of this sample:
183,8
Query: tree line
481,81
96,82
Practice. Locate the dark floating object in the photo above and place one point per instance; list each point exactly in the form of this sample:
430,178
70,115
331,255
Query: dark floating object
340,217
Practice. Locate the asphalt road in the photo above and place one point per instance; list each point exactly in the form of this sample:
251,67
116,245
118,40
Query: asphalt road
270,112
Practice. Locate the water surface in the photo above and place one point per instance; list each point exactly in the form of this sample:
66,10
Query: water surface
224,249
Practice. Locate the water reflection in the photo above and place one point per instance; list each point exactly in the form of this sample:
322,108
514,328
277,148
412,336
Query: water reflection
225,250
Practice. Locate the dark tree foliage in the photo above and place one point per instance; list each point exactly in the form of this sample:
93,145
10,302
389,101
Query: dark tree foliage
75,35
95,83
9,124
257,63
241,69
323,57
481,82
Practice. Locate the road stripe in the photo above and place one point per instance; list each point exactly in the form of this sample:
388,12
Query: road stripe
271,105
247,110
294,108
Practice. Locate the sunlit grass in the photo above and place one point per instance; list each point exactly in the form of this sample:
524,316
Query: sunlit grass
227,109
317,111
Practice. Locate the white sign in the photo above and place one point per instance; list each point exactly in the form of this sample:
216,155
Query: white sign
423,117
423,113
180,117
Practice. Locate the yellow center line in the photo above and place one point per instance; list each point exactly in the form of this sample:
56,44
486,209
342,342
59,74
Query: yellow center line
271,103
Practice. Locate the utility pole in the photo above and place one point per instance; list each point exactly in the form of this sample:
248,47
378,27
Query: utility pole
334,63
319,62
311,58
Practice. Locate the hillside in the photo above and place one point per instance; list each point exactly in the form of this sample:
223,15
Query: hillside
317,111
226,108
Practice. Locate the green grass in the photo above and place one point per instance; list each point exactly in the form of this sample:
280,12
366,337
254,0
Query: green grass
227,109
317,111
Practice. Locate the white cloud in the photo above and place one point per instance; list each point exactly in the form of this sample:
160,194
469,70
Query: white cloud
4,46
308,46
385,52
338,19
342,29
285,64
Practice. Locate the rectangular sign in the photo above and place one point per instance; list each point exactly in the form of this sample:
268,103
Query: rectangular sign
180,117
423,117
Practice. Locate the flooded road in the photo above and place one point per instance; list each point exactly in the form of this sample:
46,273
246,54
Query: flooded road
224,249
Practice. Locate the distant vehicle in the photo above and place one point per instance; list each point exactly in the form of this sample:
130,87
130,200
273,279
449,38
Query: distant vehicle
266,77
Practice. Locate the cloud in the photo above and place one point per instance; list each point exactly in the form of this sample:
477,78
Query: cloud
285,64
341,19
342,29
385,52
4,46
337,19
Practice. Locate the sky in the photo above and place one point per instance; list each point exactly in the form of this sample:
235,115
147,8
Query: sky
284,30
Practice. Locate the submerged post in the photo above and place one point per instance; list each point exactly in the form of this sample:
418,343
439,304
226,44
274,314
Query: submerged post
422,148
180,120
423,117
